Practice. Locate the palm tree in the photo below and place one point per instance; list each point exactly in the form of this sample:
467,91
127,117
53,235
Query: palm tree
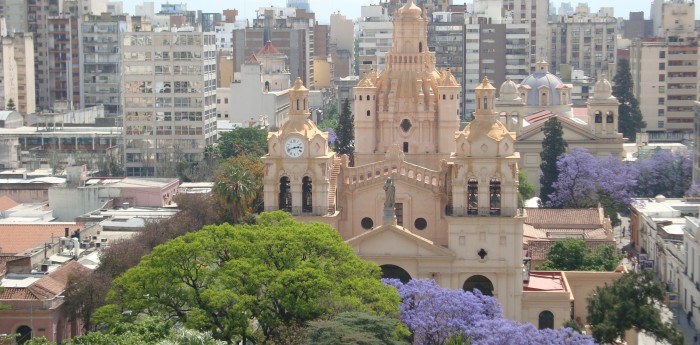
239,188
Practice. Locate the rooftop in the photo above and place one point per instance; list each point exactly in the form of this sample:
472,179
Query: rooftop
545,281
18,238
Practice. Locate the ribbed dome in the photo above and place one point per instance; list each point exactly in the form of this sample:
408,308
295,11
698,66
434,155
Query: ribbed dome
508,90
542,78
410,10
602,89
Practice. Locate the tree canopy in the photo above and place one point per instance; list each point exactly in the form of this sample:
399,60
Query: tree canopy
553,146
345,132
437,316
238,187
11,105
243,141
525,189
630,121
630,301
275,274
665,172
572,254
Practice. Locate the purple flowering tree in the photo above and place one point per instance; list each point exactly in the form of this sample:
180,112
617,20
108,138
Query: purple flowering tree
666,172
435,315
584,181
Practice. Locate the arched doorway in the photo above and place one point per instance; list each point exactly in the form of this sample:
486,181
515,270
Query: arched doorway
479,282
24,333
307,200
285,197
395,272
545,320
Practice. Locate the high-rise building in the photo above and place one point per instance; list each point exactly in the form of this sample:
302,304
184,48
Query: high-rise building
446,35
583,40
534,13
375,31
100,62
300,4
169,99
17,72
665,71
115,7
62,82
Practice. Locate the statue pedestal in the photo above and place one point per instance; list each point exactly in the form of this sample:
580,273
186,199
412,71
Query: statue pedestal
389,216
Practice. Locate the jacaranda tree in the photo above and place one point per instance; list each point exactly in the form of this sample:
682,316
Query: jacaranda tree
665,172
437,315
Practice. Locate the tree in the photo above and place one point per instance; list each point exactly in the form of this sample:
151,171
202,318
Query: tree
345,143
630,302
666,172
439,316
84,295
630,121
355,328
238,185
572,254
243,141
525,189
553,146
278,272
585,181
10,105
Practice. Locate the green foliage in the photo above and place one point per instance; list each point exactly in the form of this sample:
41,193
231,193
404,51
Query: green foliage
355,328
553,146
356,55
630,302
459,339
279,272
243,141
630,121
573,255
11,105
525,189
345,143
238,186
330,117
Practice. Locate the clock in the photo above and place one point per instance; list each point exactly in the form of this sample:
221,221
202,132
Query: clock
294,147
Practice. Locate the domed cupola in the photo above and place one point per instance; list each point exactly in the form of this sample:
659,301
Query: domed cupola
410,10
509,91
602,89
541,88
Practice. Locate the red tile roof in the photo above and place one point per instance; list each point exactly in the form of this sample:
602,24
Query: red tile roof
17,238
49,286
545,281
252,58
548,218
268,49
6,203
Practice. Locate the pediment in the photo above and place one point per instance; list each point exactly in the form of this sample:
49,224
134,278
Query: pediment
572,131
395,241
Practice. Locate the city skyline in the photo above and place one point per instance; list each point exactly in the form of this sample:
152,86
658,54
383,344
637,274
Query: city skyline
351,8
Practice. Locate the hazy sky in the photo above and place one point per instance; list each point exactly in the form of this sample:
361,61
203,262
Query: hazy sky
351,8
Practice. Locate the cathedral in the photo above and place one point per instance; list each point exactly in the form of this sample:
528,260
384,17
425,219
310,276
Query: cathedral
424,199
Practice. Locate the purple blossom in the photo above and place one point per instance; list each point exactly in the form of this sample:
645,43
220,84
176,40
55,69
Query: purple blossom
665,172
435,314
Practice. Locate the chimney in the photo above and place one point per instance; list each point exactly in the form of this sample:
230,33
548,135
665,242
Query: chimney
20,266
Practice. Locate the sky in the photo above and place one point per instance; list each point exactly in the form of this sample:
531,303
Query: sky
351,8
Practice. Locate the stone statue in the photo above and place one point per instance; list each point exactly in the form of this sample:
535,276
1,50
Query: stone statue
390,193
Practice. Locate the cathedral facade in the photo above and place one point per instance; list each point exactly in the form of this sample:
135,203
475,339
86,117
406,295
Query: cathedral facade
452,212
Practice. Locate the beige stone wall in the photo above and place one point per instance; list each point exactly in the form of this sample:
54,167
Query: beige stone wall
583,285
535,302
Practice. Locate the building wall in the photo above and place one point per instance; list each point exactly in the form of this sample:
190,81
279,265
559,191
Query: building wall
342,32
585,41
169,98
18,72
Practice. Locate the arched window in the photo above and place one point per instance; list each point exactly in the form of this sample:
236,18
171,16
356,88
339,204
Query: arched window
472,197
307,203
479,282
395,272
495,197
546,320
609,117
368,113
543,99
24,334
420,47
285,197
486,103
360,97
598,117
298,104
267,86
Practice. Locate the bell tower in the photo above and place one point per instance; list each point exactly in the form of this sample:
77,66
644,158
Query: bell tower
299,164
602,109
485,221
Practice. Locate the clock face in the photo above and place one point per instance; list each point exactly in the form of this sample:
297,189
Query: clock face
294,147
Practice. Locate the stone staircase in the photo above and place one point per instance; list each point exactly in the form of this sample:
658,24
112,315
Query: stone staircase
332,198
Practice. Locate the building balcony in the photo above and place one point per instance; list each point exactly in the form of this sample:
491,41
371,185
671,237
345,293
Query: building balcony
483,212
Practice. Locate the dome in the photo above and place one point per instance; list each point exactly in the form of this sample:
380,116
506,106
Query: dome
602,89
410,10
508,91
541,78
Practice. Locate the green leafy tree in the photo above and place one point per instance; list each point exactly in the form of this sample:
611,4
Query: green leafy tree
11,105
238,185
630,121
278,272
356,328
525,189
553,146
629,302
243,141
345,143
573,255
356,56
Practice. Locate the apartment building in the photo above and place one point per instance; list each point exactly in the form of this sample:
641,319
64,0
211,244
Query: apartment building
17,72
169,99
665,71
100,63
585,41
535,14
375,34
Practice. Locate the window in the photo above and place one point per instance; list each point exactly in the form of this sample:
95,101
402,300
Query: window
285,197
472,197
398,210
661,100
661,112
660,124
405,146
367,223
306,197
662,66
420,223
495,197
546,320
662,54
662,89
662,77
598,117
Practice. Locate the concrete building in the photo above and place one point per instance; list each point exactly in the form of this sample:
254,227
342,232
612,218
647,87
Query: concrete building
17,74
375,32
665,70
585,41
115,7
100,62
169,99
446,34
146,9
696,148
637,27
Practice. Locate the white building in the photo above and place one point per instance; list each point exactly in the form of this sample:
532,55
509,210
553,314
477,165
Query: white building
375,33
